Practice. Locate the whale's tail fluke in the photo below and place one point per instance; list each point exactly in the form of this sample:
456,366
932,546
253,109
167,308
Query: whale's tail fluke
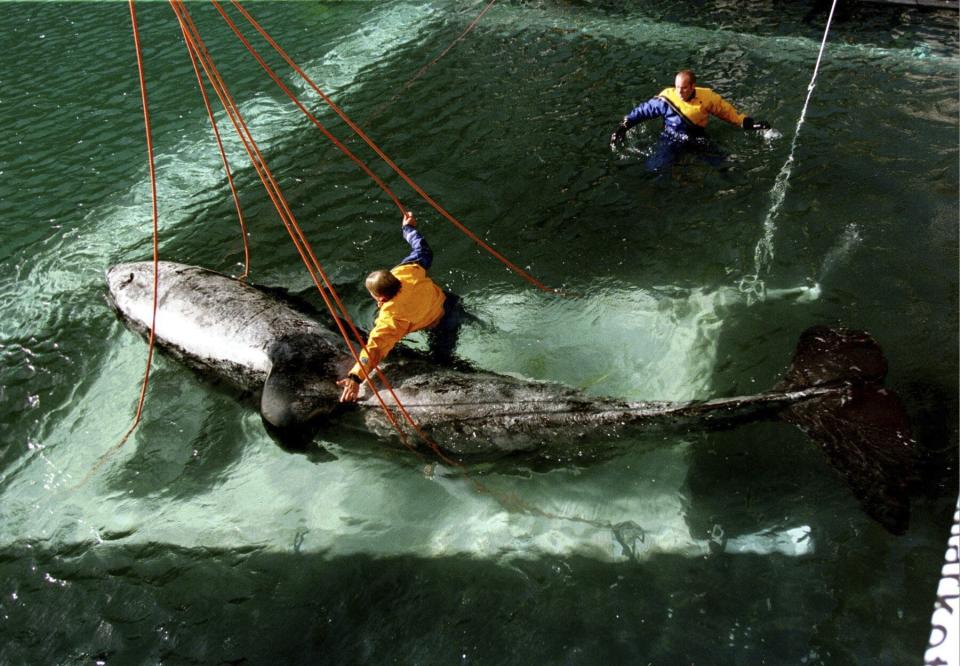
864,431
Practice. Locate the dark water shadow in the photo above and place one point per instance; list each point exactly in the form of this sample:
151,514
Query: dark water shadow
163,603
182,449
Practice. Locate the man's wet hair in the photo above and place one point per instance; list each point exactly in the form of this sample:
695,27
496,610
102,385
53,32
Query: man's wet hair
383,284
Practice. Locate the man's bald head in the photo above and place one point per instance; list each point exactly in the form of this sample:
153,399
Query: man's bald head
685,83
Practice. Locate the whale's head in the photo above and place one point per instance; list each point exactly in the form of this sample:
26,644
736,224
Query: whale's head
130,290
239,333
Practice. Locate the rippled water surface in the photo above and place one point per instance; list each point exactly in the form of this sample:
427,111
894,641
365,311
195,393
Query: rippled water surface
200,540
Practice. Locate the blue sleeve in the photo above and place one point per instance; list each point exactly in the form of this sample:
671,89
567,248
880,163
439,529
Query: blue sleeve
654,108
421,252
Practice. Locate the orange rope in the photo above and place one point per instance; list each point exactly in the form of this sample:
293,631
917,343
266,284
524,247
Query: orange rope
191,34
156,252
480,487
340,306
420,72
270,183
197,50
426,197
226,166
155,214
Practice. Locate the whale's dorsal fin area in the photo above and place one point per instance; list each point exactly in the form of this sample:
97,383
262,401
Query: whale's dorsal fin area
298,390
865,431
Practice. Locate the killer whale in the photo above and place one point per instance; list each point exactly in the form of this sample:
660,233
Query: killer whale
249,338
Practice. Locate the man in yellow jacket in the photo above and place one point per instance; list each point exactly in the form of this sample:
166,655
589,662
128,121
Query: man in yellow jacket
685,109
407,301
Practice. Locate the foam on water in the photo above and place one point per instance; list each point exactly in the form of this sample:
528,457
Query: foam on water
638,343
850,238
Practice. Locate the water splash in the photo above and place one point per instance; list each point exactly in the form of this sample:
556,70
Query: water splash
755,290
851,238
763,253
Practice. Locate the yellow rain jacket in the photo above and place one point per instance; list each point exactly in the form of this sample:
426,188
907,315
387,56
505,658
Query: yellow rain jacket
705,103
680,117
418,305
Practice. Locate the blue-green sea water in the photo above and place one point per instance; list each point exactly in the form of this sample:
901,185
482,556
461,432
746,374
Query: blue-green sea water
202,541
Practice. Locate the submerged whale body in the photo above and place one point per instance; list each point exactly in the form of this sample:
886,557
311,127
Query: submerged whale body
256,342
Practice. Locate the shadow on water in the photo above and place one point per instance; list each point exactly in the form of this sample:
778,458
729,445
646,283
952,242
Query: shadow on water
158,603
177,455
934,412
763,474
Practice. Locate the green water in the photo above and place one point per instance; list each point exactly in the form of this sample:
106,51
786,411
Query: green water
201,541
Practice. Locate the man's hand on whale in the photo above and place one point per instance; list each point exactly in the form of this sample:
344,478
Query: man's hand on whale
351,388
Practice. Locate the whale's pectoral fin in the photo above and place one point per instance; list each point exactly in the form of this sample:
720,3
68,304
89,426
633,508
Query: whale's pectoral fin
865,431
299,390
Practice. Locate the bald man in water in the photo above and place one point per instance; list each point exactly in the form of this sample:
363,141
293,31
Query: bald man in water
685,109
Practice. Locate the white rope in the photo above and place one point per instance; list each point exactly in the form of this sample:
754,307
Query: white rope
763,253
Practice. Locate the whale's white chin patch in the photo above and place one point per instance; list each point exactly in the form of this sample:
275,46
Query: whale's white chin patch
181,330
